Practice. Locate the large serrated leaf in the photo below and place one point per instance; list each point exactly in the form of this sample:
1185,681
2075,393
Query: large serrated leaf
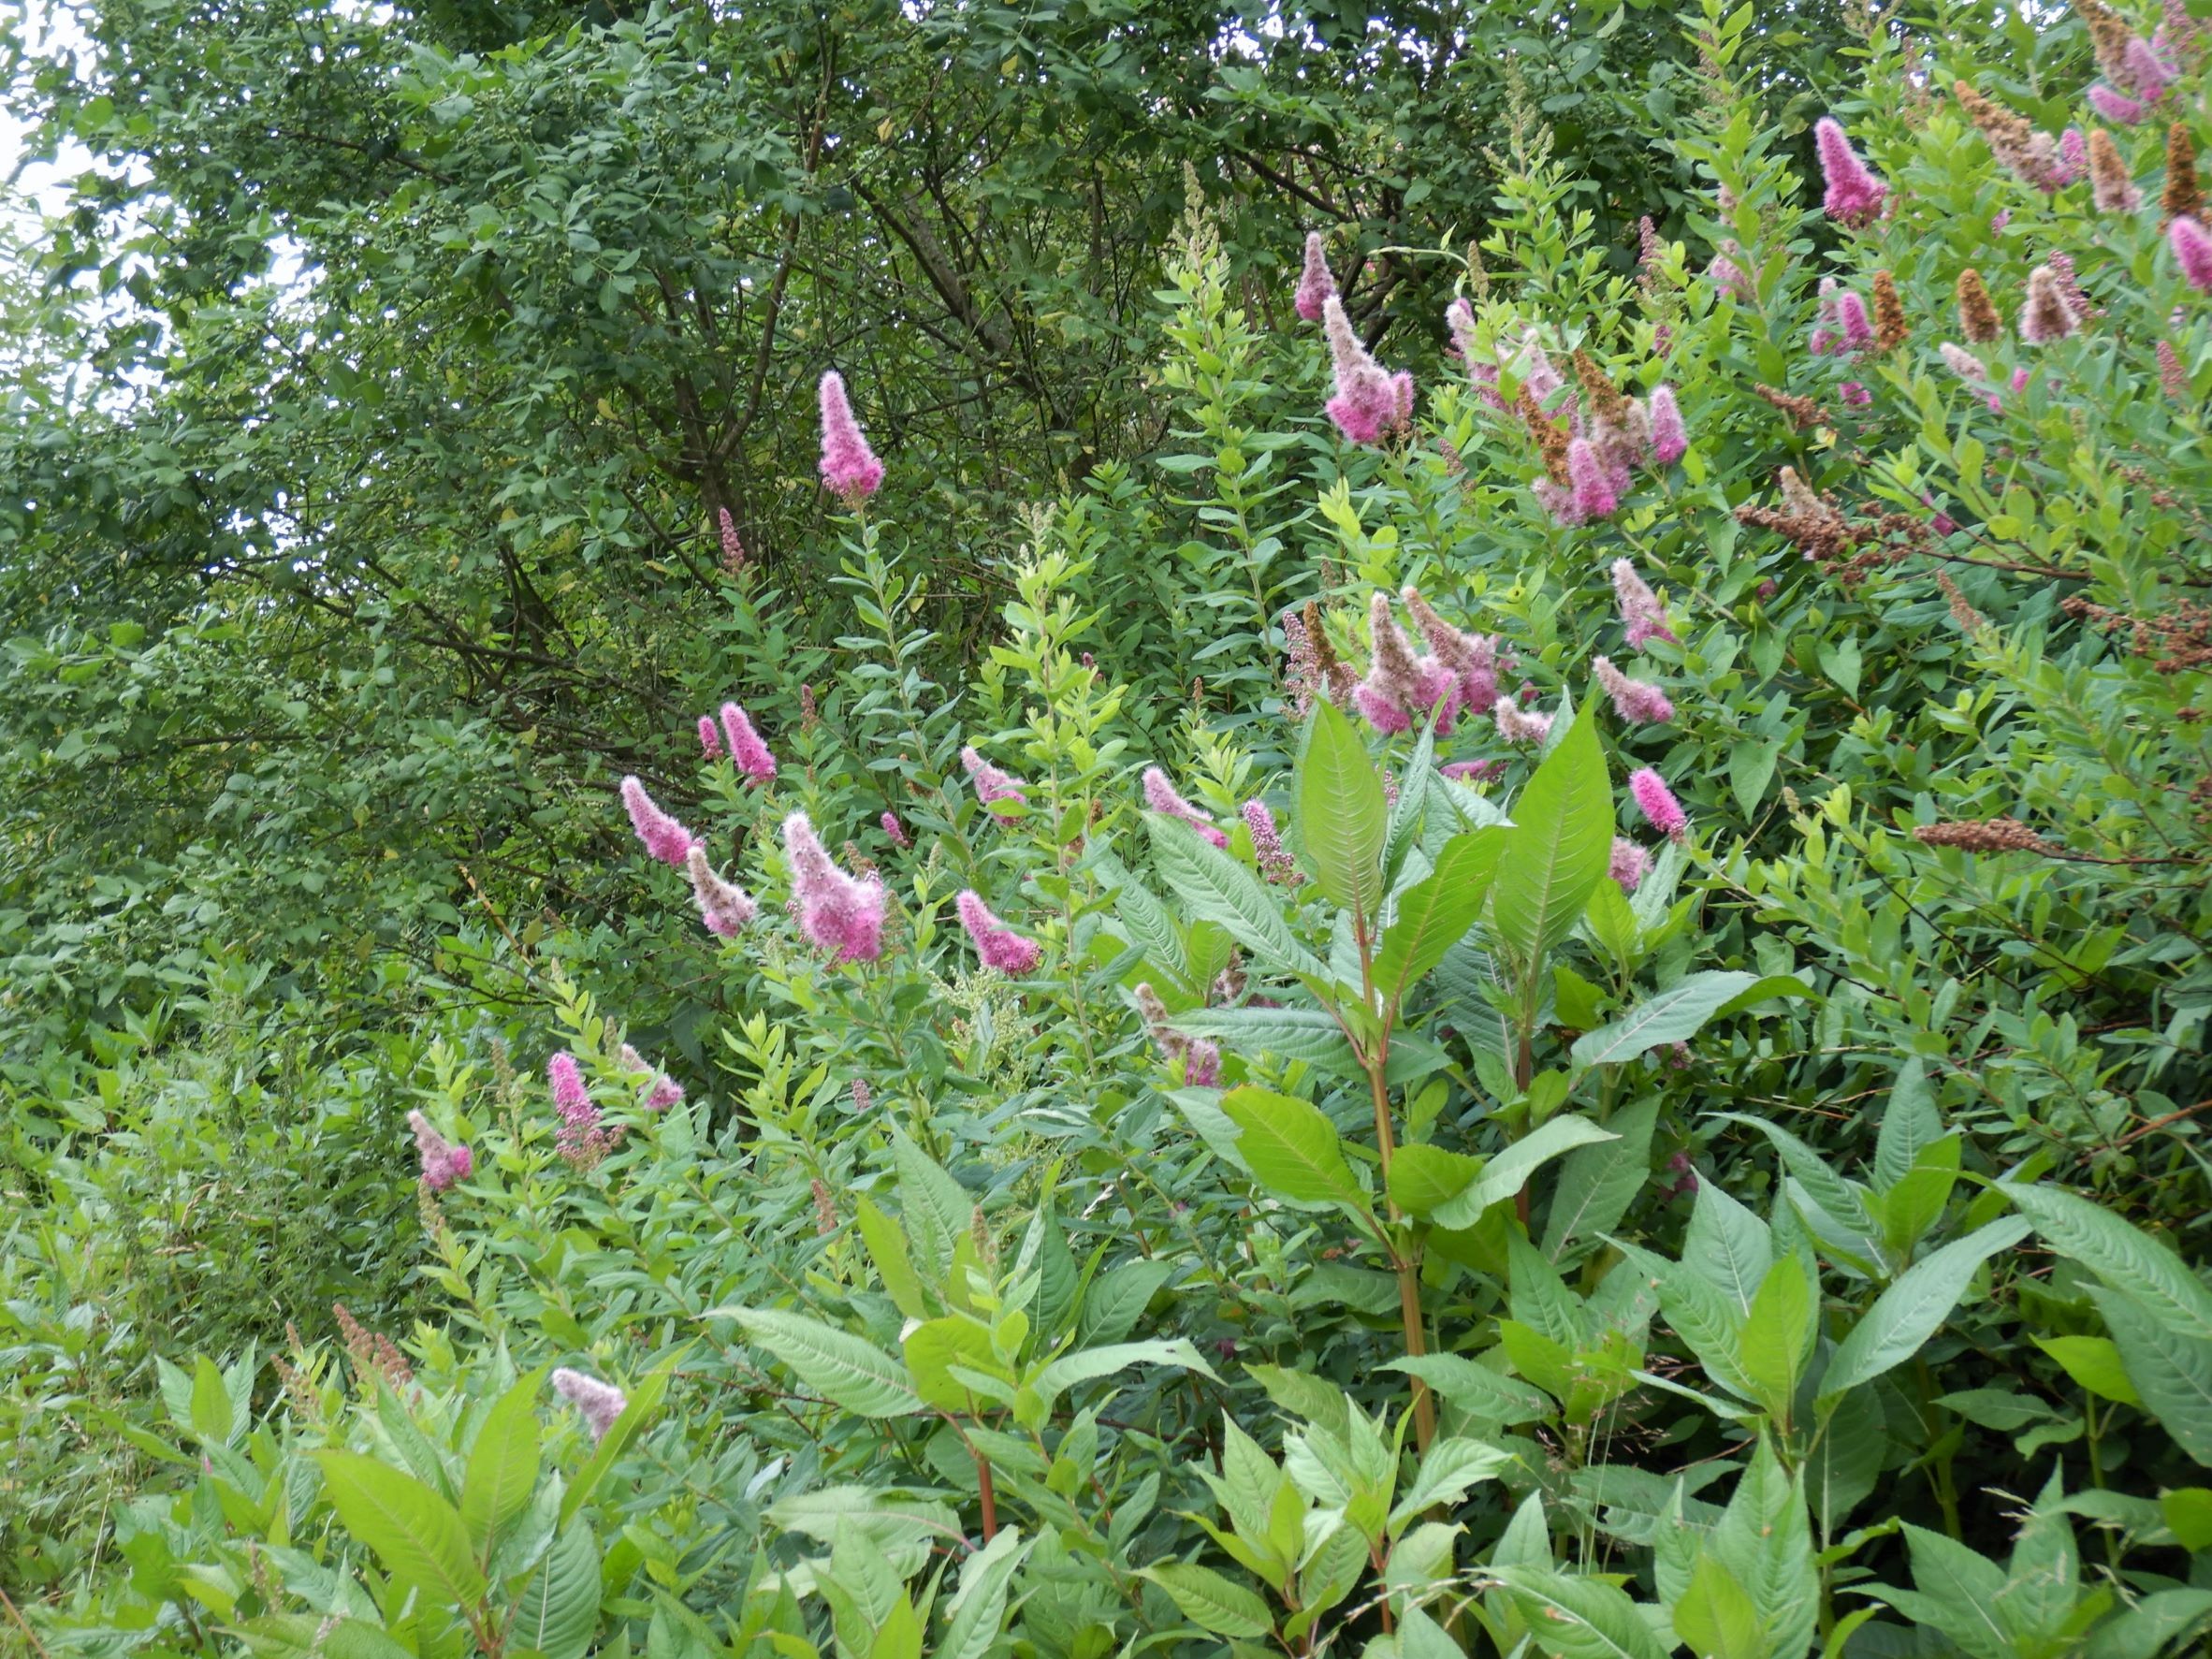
1292,1148
414,1532
844,1369
1436,912
1557,849
1675,1015
1911,1310
502,1465
1342,816
557,1612
1508,1173
2127,1260
1216,888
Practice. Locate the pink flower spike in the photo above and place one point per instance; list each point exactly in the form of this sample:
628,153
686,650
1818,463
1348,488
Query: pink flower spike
1656,802
1727,276
1517,726
1594,496
746,751
1267,843
2150,77
1854,196
1641,613
1202,1064
1385,716
1634,700
897,832
998,945
1854,393
1858,329
991,786
1315,286
723,906
732,549
1370,401
600,1404
2193,251
1963,363
2115,107
711,740
1670,439
2074,158
836,913
849,466
1628,864
442,1161
1160,796
1474,771
663,838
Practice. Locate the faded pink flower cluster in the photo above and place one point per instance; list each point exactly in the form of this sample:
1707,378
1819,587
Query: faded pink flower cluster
1267,843
747,751
1199,1058
2138,71
837,914
1628,864
1635,701
664,837
2192,252
1315,286
849,466
584,1137
723,906
1656,802
443,1161
997,790
1370,401
600,1404
660,1091
998,945
1457,675
1641,613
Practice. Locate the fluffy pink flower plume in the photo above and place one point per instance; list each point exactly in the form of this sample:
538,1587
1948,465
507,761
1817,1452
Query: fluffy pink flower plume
1854,393
897,832
732,549
2116,106
1670,439
1858,327
1656,802
1538,376
660,1091
1473,771
2074,158
1398,684
1370,401
2148,77
1592,488
1469,662
849,466
1267,843
1315,286
1515,725
1728,277
836,913
1160,796
1202,1064
1201,1060
600,1402
1629,863
746,751
991,786
711,740
443,1162
582,1139
998,945
664,837
2172,377
2048,313
1635,700
723,906
2193,251
1641,613
1963,363
1854,196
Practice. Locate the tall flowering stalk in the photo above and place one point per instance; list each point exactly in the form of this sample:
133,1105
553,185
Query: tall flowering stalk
849,466
1635,700
1641,614
2192,252
1670,439
837,914
583,1138
443,1161
1267,843
746,751
1656,802
998,945
723,906
998,790
1370,401
661,835
2048,314
1853,196
1161,797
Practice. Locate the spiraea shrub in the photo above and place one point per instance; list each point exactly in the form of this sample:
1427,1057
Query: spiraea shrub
1547,997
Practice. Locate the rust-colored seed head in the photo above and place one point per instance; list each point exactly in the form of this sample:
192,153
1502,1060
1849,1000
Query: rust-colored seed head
1804,412
1970,620
1890,331
1605,400
1977,312
1991,834
2183,198
1551,442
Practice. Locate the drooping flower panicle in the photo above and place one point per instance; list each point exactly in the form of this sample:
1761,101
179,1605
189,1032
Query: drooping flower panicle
1267,843
443,1161
600,1404
1628,864
999,791
849,466
1656,802
1370,401
1635,700
1315,285
839,913
2192,252
1161,797
723,906
1670,439
998,945
1854,196
747,751
1641,613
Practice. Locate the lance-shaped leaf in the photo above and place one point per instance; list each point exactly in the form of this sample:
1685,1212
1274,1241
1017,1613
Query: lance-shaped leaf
1216,888
1292,1149
1557,849
1909,1313
1344,818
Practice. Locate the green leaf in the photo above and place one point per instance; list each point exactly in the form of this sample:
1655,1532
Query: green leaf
977,1608
2094,1362
502,1465
557,1612
1088,1363
1343,819
935,1208
1292,1148
836,1364
645,1400
887,1248
1597,1183
213,1422
314,1636
1422,1178
1751,769
1578,1617
1508,1173
2171,1370
1436,912
1778,1333
1956,1593
1716,1618
1557,849
1910,1124
1910,1312
1216,888
2189,1516
934,1347
1477,1390
1210,1601
1115,1299
2125,1258
1449,1468
416,1533
1287,1033
1673,1015
1765,1539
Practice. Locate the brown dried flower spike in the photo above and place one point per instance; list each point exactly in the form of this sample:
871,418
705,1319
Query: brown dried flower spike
1804,412
1978,319
2183,198
1988,835
1551,442
1890,328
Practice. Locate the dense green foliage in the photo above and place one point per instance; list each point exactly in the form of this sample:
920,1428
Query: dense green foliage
1499,1218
